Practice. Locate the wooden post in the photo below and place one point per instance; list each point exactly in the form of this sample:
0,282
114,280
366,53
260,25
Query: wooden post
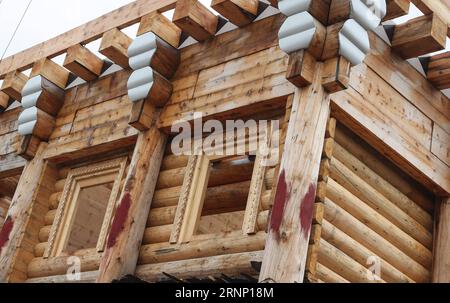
290,226
441,262
14,227
128,226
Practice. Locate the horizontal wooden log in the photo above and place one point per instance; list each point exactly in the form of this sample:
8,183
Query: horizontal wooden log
374,242
59,185
398,179
50,217
360,253
54,200
419,36
223,173
328,276
342,264
161,234
231,265
359,188
40,267
219,245
195,19
40,248
85,277
223,196
44,233
383,186
83,63
114,46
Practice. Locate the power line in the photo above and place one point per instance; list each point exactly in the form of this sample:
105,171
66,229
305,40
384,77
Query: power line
17,27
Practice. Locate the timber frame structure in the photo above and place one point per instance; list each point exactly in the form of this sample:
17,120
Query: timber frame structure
361,191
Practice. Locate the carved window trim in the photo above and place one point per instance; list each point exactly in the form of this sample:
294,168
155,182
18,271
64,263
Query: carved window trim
78,178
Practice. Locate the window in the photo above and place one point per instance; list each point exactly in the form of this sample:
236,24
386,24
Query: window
87,204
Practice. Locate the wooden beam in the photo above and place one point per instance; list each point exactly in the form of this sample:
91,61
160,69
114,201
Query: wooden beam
141,116
15,224
336,74
397,8
195,19
28,146
439,7
162,27
88,32
301,67
13,84
114,46
51,71
419,36
287,244
438,70
127,229
238,12
5,101
83,63
441,259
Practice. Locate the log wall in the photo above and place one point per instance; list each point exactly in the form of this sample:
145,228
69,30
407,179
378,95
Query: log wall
372,214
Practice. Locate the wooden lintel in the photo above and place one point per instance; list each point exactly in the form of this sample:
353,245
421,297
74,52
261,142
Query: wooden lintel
51,71
13,84
114,46
195,19
238,12
419,36
336,74
83,63
162,27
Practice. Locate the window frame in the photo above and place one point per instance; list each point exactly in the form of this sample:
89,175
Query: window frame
77,179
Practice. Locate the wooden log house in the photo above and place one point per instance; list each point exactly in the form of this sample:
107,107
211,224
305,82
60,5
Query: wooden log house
361,191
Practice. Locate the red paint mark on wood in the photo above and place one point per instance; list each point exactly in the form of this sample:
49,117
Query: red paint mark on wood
281,197
6,231
307,209
119,219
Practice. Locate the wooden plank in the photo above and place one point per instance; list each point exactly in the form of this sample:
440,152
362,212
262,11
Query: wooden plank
192,197
88,32
441,264
440,145
51,71
408,82
127,228
287,244
238,12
